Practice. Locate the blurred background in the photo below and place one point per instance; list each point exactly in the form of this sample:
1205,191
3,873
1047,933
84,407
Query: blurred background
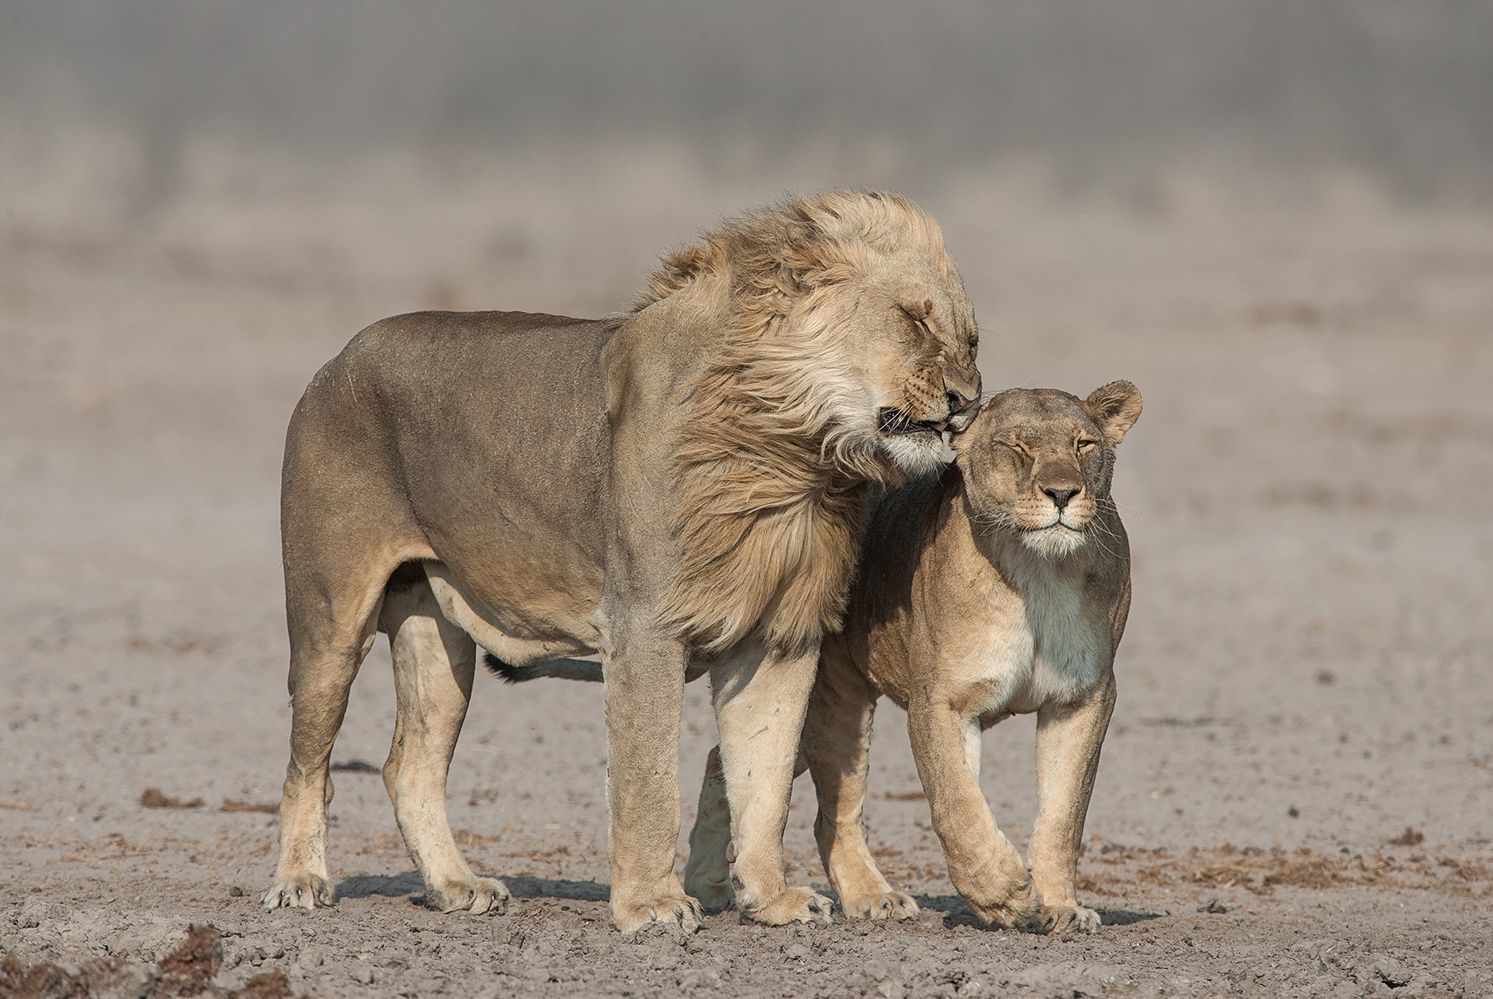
358,136
1275,217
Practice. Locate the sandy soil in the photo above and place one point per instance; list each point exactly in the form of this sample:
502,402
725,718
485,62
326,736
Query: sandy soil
1297,792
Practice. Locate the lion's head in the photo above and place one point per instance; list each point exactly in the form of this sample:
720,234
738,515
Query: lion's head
848,356
849,325
1038,462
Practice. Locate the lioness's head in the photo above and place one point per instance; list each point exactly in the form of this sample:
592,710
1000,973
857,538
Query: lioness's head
1038,462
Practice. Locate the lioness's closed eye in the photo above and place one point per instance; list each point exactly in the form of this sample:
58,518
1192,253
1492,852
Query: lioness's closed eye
1000,589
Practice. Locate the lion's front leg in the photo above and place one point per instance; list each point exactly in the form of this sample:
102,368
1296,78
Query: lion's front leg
760,701
1069,739
644,700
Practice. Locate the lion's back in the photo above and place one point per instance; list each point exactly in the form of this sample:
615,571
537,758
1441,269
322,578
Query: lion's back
467,417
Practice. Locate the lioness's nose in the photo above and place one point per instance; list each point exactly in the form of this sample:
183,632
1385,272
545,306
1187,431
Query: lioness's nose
1062,494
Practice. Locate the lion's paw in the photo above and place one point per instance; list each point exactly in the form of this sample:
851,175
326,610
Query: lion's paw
714,896
792,905
479,896
678,914
298,891
1072,919
879,906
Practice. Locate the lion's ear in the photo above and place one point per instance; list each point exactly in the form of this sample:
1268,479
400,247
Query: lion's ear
1115,408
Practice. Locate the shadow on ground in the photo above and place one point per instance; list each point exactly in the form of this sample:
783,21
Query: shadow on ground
408,885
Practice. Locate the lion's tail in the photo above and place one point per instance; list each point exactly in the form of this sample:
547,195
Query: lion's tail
563,669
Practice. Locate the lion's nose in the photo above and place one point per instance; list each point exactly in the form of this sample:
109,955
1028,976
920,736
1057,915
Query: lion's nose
962,408
1062,494
957,401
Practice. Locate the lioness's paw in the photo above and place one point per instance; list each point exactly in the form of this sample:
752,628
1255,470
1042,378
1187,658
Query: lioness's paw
792,905
1021,910
478,896
881,905
714,896
678,914
1072,919
299,891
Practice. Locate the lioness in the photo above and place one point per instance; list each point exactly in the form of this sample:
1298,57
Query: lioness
679,489
1000,589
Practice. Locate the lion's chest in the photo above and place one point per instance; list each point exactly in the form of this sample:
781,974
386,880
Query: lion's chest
1042,643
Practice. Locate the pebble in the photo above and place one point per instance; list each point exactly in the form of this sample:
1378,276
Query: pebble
1390,970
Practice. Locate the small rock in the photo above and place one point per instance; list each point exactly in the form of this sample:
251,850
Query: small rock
699,978
1390,970
235,892
360,972
1212,906
795,952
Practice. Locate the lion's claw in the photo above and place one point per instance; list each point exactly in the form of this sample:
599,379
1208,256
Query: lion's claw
299,891
1071,919
792,905
679,914
480,896
879,906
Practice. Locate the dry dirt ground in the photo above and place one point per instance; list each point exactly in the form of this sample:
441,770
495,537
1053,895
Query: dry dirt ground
1297,791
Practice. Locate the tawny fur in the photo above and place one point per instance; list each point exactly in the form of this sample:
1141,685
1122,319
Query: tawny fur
677,490
961,619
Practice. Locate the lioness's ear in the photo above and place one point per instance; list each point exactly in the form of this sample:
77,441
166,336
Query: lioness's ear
1115,407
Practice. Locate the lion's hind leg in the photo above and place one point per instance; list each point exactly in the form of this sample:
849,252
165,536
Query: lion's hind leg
434,661
707,872
331,630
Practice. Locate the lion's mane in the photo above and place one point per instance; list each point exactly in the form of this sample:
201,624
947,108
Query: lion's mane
770,482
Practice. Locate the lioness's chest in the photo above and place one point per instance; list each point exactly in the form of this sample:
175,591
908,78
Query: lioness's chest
1040,644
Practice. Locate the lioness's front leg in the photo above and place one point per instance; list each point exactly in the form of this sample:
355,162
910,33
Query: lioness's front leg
1069,739
707,873
985,868
760,702
644,700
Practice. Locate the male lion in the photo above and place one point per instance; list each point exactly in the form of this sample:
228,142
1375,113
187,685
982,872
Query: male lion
679,489
1000,589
